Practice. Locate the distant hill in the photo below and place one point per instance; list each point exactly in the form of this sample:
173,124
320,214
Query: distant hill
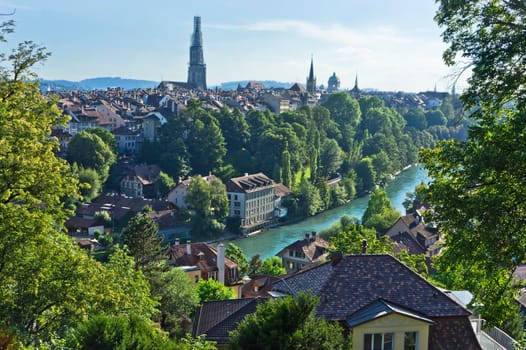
232,85
129,84
97,84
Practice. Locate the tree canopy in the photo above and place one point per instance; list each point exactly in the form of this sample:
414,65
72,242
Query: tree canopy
287,323
478,185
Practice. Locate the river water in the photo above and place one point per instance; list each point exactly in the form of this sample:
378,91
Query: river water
272,241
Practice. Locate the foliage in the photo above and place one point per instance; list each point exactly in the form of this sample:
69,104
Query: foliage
310,202
199,343
88,150
208,203
489,35
90,185
380,213
142,239
120,332
121,289
478,185
255,265
106,136
350,238
176,294
235,253
212,290
206,145
272,266
287,323
165,183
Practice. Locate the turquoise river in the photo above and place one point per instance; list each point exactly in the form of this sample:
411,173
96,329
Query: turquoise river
273,240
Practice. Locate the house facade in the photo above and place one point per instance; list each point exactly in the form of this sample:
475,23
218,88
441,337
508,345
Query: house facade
141,182
252,198
304,252
202,261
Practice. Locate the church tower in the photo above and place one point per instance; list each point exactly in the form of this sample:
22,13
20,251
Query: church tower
311,80
197,67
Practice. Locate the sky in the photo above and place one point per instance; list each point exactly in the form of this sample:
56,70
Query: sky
390,45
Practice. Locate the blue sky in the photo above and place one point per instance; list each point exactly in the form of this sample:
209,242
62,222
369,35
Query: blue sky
390,44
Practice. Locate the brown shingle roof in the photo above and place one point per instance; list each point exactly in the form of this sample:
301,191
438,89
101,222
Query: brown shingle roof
348,285
356,280
315,248
208,262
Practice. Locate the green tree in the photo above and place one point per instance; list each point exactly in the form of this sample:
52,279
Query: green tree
176,294
89,182
366,176
350,236
88,150
48,285
206,145
380,213
330,158
234,127
233,252
272,266
435,117
255,265
142,239
120,332
343,109
478,185
105,136
286,323
310,202
165,183
285,168
212,290
209,204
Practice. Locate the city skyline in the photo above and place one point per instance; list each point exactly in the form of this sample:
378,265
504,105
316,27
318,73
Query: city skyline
389,46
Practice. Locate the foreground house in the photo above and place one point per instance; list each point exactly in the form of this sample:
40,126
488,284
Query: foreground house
375,298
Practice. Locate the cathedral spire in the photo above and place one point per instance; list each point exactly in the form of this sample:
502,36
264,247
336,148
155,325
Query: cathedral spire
197,67
311,80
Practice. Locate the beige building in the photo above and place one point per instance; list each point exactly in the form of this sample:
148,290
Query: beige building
252,198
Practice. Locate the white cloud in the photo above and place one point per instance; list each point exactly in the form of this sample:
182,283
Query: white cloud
384,57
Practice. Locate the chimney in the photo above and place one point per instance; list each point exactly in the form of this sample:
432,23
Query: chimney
246,174
177,241
221,263
188,248
364,246
307,236
313,236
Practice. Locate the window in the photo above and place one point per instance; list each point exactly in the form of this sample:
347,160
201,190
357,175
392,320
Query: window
235,197
410,341
196,278
237,212
378,341
237,204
